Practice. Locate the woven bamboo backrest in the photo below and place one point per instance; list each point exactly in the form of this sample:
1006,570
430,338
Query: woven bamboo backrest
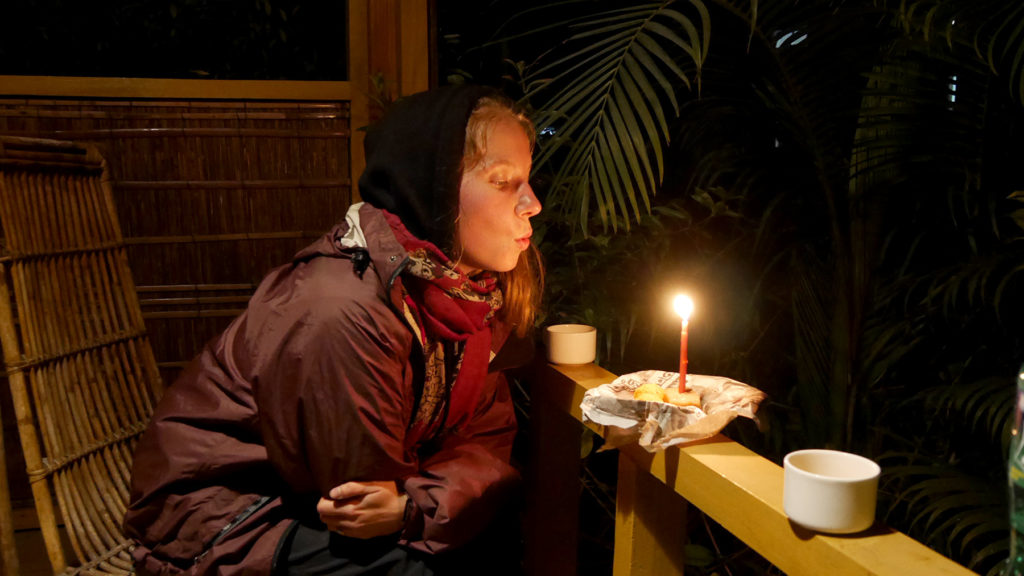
81,371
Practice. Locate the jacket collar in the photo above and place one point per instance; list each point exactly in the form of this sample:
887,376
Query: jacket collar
365,229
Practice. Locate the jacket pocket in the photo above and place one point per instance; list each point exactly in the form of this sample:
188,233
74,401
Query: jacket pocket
238,519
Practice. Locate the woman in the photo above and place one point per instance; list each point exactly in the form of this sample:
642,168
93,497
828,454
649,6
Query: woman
353,419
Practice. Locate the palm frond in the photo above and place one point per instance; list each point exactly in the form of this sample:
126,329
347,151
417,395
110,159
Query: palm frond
956,513
611,122
986,405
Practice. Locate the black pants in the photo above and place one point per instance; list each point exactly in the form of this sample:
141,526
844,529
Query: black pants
312,550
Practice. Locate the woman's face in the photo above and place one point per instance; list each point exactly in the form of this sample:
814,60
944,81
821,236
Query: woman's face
496,202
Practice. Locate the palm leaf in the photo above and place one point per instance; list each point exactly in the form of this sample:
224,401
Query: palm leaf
998,550
612,120
952,511
986,405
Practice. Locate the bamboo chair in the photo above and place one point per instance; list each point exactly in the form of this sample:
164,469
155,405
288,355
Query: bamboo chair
82,374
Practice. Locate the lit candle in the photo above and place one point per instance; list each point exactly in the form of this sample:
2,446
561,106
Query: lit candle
684,307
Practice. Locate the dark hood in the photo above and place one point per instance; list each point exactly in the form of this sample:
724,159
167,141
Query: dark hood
414,159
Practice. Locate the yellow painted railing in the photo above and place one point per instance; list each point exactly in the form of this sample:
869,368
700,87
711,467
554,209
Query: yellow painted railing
737,488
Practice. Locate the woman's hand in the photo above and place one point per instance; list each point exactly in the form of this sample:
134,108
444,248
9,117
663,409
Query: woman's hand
363,509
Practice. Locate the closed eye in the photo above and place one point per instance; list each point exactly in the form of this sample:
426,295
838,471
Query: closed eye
507,184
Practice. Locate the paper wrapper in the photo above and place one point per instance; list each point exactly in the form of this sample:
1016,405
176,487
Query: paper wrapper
658,425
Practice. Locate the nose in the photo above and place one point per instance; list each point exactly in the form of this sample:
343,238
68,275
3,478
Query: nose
528,205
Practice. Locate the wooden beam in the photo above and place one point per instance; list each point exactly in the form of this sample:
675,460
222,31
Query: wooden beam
170,89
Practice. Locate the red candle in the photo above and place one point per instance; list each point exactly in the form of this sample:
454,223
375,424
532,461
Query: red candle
682,358
684,306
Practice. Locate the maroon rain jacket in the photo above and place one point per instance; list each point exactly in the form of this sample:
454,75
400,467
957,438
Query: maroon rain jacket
314,385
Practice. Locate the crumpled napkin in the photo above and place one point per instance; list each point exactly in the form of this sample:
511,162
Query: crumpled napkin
658,425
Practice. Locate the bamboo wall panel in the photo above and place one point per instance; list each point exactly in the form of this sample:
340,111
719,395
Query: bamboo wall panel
211,195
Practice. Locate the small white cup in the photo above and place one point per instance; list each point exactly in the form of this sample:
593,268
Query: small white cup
571,343
830,491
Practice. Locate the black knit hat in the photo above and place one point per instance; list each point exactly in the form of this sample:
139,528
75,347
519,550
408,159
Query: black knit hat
414,160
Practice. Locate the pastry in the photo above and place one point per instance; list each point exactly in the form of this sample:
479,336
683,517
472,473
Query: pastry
649,393
688,398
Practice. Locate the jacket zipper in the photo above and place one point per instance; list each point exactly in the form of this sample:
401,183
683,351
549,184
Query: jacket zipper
241,517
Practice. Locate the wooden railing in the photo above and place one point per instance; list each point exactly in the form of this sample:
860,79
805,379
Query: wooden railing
737,488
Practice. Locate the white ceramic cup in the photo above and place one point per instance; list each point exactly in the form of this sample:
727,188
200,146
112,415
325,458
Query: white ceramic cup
571,343
830,491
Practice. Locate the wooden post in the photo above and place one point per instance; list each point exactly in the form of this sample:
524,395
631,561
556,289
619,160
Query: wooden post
395,63
552,483
8,552
399,57
650,524
414,47
359,104
382,54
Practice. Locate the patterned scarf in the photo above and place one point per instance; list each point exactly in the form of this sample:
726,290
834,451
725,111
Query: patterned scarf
451,314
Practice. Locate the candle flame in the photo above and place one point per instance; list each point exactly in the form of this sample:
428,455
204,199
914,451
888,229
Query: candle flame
684,306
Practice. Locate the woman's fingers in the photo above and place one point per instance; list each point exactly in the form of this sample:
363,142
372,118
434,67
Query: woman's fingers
337,509
362,509
352,490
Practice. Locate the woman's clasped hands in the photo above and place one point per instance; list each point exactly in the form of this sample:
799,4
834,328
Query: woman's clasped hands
363,509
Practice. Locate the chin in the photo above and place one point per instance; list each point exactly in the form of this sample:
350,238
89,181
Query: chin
504,266
510,265
497,264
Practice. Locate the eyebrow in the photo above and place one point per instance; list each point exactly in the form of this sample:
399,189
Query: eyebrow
495,164
498,162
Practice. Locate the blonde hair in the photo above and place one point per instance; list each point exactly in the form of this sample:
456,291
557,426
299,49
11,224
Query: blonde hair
522,286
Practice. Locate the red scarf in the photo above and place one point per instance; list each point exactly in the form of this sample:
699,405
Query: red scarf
453,313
